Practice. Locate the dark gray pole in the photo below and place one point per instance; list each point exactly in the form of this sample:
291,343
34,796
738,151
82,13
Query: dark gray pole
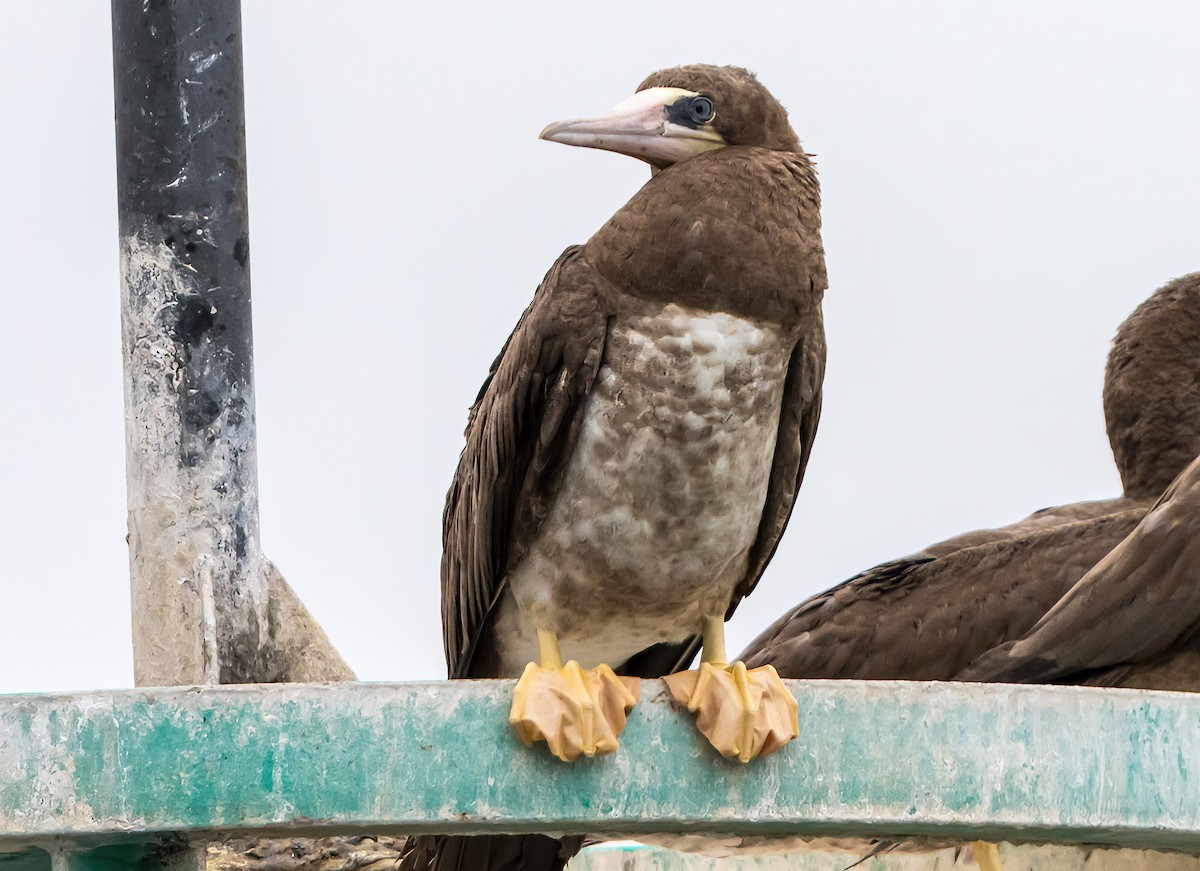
206,603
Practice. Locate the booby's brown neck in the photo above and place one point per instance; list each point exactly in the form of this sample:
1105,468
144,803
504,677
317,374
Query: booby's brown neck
735,230
1152,389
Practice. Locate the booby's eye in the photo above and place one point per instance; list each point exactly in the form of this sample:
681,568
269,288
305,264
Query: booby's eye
701,110
691,110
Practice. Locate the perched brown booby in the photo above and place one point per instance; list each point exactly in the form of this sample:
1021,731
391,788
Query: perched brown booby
929,615
635,452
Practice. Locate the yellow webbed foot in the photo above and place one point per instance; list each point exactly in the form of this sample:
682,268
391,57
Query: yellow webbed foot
572,709
743,713
987,856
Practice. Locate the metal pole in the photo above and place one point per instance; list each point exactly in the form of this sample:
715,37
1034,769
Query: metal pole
201,587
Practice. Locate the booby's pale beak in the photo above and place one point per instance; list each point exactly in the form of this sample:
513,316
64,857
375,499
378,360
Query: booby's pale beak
658,125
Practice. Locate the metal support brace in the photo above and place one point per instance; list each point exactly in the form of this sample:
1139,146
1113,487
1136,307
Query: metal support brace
207,606
199,604
950,763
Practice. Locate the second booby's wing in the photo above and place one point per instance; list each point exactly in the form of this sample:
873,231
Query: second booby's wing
928,615
1131,621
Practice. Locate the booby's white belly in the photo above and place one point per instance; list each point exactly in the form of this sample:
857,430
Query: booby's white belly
661,500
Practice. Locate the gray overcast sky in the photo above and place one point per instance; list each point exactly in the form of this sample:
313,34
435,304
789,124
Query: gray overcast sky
1002,185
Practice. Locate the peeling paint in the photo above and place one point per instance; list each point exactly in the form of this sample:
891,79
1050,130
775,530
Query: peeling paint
203,63
188,503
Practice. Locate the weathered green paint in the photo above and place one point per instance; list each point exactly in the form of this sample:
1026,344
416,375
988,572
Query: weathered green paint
30,859
64,855
873,759
113,857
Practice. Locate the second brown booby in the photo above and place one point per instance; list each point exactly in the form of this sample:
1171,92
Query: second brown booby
634,455
1134,619
928,616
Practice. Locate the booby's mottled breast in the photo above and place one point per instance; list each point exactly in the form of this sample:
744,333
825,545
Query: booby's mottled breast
930,615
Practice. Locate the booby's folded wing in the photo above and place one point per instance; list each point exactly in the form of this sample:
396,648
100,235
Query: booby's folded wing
797,429
1139,603
524,423
926,616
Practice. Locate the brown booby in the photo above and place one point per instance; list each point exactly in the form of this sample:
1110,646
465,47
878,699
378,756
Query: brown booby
929,615
634,455
1134,619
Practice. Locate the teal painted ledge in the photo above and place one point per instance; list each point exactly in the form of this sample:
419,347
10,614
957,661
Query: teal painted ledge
950,761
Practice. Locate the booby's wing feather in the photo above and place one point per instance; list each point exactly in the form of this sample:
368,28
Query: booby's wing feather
487,853
1137,603
926,616
797,429
523,425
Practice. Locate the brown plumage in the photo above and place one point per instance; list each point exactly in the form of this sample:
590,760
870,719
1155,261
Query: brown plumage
683,339
929,615
1152,386
1132,621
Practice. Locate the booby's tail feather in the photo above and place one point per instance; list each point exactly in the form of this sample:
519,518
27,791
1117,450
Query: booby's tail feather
488,853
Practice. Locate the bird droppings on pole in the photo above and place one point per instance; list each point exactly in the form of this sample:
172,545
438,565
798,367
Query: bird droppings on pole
201,587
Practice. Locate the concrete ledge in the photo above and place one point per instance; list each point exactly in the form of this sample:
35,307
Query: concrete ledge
949,761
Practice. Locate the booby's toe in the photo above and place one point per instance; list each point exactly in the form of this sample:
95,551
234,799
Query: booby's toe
743,713
575,711
987,856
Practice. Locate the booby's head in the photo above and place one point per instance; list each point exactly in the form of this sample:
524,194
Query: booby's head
681,112
1152,388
